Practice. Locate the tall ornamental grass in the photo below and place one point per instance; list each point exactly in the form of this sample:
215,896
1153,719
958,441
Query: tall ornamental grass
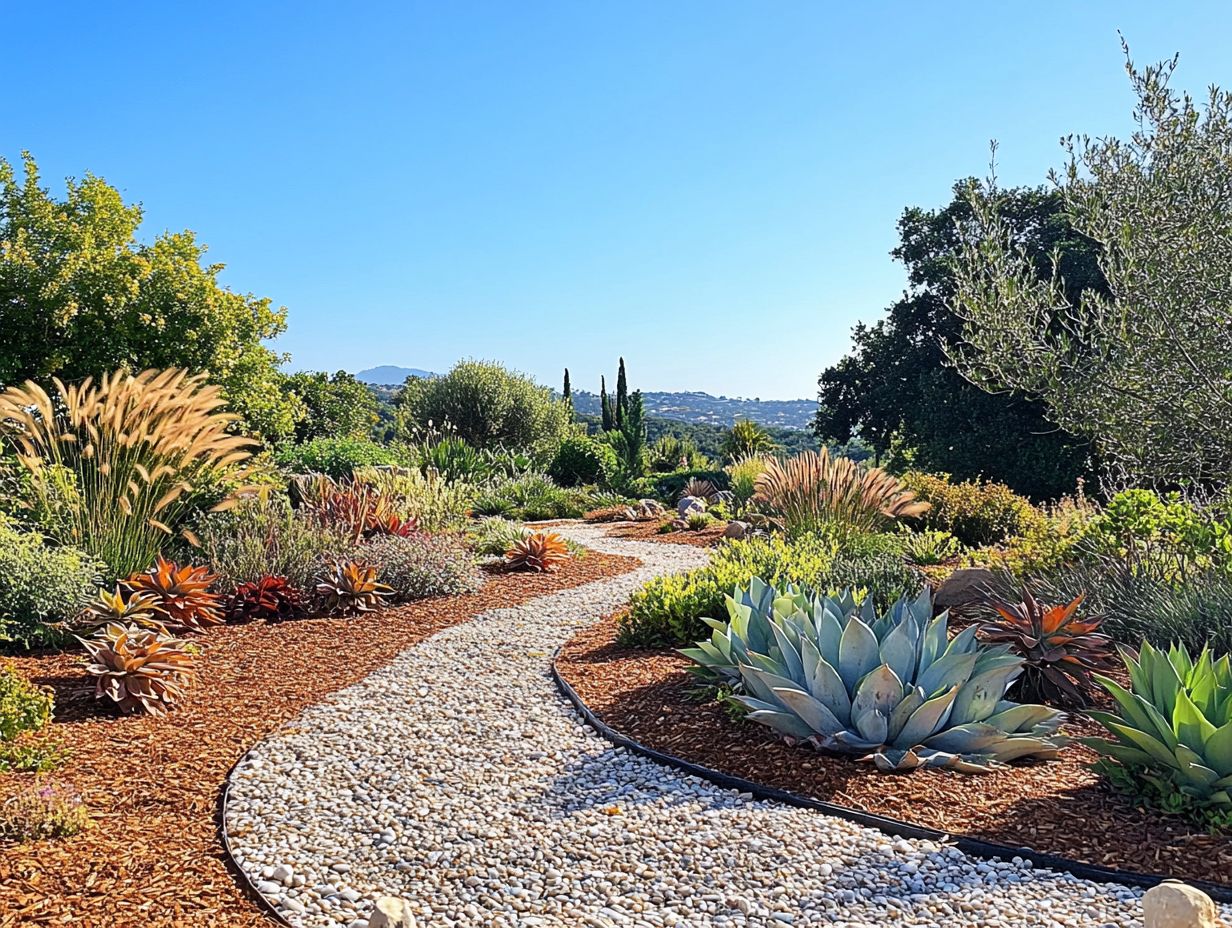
814,492
116,465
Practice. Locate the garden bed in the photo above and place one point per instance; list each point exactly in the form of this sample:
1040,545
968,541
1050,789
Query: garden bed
649,531
153,854
1056,807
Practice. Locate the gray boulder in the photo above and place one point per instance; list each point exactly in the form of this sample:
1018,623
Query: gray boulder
736,529
689,505
963,587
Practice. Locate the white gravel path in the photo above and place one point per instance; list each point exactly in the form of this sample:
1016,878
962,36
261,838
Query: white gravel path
459,778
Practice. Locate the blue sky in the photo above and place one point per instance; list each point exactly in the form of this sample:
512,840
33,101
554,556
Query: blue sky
708,188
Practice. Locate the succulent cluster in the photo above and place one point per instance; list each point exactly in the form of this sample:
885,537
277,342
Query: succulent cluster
350,588
179,597
1172,731
139,668
538,551
271,598
119,607
1060,650
894,689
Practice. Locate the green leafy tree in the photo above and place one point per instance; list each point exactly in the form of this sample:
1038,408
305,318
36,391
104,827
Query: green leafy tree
897,389
1144,367
334,407
80,296
486,405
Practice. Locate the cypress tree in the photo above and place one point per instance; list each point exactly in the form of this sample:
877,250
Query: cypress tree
634,431
605,407
622,395
567,393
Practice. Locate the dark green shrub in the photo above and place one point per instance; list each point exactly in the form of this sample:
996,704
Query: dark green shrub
41,585
531,498
337,457
581,459
975,512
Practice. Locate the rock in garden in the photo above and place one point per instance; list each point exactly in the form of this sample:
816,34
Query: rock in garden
649,509
736,529
963,587
391,912
689,505
1175,905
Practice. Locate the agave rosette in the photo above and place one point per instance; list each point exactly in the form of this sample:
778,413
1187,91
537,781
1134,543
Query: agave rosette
895,689
1173,731
139,668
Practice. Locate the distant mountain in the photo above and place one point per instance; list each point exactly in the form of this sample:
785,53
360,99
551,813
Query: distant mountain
713,410
391,375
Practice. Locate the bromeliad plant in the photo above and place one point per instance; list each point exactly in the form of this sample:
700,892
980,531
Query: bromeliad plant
120,607
1171,738
351,588
139,668
180,596
1060,649
116,466
271,598
894,690
539,551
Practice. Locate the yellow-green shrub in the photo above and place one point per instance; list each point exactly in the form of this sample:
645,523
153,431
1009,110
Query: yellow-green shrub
976,512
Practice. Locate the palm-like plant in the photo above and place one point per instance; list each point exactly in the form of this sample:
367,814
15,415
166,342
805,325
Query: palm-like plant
813,491
746,438
116,465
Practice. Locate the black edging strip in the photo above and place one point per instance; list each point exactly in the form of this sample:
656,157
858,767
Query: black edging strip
240,873
986,850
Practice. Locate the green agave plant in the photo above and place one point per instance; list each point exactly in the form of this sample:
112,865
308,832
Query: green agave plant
896,689
1173,734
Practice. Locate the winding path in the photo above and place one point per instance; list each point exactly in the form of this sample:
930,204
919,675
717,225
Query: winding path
459,778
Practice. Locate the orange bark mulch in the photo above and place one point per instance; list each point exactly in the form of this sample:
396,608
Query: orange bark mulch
153,855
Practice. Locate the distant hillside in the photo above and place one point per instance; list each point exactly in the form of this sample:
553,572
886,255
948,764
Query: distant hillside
391,375
713,410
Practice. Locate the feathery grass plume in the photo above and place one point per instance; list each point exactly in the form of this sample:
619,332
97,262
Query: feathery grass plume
117,464
814,492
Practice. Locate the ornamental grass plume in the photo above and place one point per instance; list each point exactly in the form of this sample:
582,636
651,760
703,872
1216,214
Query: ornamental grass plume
116,465
815,491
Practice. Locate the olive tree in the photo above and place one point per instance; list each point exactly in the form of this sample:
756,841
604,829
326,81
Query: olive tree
486,404
1144,369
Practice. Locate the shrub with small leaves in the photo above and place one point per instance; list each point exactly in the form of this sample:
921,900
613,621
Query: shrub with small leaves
493,536
977,513
24,707
417,566
41,586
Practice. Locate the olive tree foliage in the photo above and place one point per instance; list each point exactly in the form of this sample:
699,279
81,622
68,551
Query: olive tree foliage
80,297
486,404
1145,369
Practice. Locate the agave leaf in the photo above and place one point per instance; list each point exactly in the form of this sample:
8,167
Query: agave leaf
898,650
880,690
786,723
912,700
1139,739
950,670
872,726
814,714
828,687
829,635
1218,750
857,653
926,720
1192,767
980,697
1192,728
790,658
1123,752
1025,718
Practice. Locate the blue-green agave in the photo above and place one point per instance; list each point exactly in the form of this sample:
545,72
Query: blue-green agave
894,689
1174,728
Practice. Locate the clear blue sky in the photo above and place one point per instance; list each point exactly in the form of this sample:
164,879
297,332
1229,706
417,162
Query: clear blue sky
708,188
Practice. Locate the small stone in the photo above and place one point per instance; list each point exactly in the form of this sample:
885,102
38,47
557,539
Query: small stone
391,912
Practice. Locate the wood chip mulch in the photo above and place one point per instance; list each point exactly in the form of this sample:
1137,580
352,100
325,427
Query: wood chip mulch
1056,807
649,531
153,854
